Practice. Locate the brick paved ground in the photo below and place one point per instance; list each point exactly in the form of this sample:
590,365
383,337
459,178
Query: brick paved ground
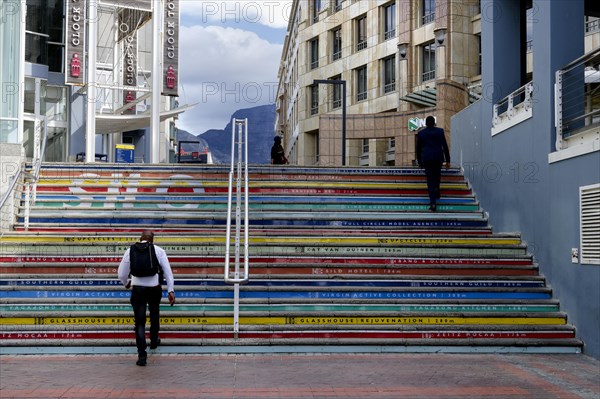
301,376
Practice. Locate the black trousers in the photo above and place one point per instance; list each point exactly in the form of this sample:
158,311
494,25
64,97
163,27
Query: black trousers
433,172
140,297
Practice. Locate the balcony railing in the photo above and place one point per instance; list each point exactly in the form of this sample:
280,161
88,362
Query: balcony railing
336,104
389,34
592,26
428,18
512,109
361,96
361,45
577,97
337,55
390,87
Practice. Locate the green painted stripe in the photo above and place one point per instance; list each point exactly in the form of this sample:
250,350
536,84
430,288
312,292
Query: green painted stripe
288,308
256,250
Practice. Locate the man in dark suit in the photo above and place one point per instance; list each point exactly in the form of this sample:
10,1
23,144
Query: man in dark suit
432,151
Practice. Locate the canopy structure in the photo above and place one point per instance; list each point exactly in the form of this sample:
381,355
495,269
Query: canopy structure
111,123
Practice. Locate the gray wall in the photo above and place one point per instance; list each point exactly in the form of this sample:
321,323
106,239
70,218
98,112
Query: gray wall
510,171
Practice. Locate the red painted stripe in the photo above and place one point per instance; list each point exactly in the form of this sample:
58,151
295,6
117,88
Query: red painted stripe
422,335
279,260
278,271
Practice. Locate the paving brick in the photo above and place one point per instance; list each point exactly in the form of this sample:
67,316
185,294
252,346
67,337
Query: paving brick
302,376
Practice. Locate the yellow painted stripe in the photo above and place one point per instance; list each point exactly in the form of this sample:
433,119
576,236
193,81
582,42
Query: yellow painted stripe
299,320
272,240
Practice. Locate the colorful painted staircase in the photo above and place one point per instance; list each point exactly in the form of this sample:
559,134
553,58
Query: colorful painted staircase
340,259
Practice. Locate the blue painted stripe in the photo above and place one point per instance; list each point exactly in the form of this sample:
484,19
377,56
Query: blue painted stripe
287,283
263,222
287,294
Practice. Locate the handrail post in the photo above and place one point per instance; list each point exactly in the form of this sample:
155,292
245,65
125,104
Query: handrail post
241,167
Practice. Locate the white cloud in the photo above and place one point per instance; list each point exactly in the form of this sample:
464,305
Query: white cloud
223,70
272,13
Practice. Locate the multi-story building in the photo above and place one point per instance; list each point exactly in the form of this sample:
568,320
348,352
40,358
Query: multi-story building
401,60
45,56
531,146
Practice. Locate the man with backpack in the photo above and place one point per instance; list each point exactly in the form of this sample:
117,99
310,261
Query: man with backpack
142,268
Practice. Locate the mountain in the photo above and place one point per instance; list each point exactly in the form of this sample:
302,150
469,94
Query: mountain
261,129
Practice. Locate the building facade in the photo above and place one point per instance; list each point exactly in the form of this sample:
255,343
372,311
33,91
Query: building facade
531,146
47,88
400,61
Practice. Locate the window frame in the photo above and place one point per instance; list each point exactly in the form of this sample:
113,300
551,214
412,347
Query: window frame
361,28
389,21
314,52
361,80
428,54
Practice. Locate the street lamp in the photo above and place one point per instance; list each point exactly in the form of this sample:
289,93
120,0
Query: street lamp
343,83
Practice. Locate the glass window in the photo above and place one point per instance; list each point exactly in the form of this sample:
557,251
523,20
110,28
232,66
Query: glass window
389,21
337,43
29,104
361,83
389,74
361,33
9,73
315,10
365,146
314,99
428,62
55,104
314,53
428,11
337,5
336,93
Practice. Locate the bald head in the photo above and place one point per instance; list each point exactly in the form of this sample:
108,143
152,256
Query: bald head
147,235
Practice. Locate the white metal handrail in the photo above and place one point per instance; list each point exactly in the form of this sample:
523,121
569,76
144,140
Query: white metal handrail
241,166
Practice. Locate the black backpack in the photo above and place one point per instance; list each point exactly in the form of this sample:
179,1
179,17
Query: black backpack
143,261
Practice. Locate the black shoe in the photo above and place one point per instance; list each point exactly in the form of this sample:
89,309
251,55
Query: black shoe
141,361
154,344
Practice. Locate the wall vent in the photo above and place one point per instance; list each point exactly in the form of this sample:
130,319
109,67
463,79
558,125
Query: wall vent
589,222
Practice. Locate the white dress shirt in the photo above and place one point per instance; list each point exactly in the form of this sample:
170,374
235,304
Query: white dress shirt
150,281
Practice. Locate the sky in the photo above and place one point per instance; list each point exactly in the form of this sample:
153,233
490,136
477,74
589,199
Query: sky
229,56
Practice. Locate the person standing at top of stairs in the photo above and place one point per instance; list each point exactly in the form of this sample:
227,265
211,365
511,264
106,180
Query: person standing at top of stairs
142,268
432,150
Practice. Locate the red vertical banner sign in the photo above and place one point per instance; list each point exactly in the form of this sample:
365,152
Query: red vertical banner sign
75,42
170,77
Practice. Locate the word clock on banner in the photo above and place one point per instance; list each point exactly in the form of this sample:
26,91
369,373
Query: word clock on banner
171,48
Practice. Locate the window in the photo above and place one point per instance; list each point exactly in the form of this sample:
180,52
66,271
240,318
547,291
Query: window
361,83
365,146
389,21
336,93
337,44
316,8
361,33
428,62
314,53
428,11
337,5
389,74
314,99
